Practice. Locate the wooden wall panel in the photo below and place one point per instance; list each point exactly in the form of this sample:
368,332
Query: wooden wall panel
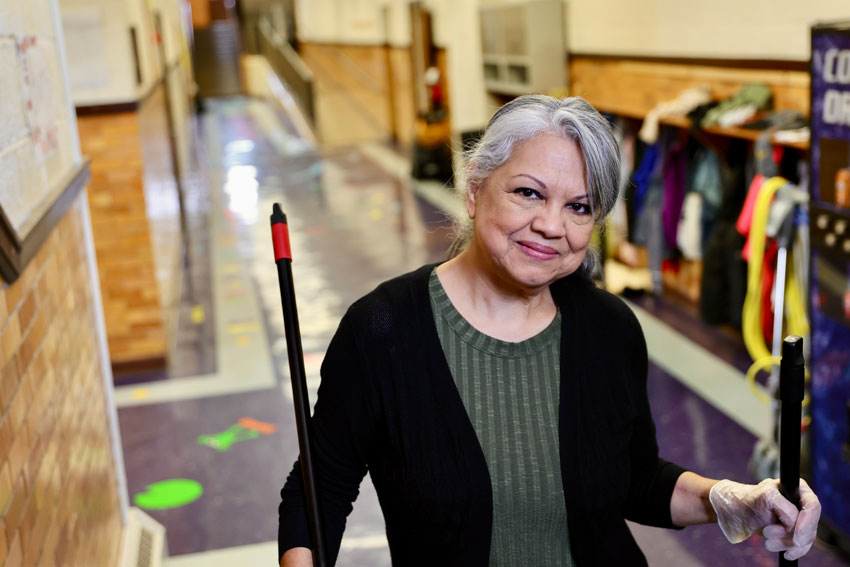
633,87
58,490
352,93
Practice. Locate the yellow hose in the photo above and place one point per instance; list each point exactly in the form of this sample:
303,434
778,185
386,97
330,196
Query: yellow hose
757,366
795,309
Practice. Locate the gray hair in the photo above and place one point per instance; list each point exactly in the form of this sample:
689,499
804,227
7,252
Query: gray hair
528,116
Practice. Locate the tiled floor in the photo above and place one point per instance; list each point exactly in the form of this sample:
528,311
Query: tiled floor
355,220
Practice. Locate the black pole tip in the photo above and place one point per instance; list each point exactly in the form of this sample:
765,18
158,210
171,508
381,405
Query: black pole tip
277,214
792,348
792,369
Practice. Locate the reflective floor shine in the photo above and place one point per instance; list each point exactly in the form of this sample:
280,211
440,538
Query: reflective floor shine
223,420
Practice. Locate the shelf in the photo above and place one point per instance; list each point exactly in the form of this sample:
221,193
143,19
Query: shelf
727,131
749,134
731,132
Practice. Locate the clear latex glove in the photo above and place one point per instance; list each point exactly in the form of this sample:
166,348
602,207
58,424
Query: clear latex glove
797,542
744,509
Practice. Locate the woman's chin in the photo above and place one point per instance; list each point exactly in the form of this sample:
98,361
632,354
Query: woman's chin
538,277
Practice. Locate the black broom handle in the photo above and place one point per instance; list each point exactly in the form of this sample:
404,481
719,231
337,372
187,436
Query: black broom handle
283,259
791,392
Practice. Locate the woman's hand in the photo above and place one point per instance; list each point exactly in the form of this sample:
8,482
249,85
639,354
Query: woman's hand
297,557
744,509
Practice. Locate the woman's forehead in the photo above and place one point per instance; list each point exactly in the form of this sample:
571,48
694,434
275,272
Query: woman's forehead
546,161
546,148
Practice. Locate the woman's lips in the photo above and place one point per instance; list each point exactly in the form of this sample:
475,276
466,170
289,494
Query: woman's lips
537,251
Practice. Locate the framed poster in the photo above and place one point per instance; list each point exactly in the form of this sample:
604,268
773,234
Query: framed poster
41,170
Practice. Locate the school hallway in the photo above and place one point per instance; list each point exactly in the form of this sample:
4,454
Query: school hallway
225,420
147,416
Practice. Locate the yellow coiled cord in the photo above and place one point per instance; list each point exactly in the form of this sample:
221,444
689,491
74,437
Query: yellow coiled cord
795,309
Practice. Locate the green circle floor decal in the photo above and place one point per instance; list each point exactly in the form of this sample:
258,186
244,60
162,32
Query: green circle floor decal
167,494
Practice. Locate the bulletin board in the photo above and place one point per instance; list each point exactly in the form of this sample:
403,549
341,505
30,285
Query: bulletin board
41,170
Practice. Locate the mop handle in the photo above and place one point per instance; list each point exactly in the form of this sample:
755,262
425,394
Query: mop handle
791,391
283,259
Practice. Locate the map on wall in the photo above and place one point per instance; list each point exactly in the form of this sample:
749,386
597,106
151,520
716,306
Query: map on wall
38,147
47,125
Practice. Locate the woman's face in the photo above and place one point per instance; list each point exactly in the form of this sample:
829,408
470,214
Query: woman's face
533,221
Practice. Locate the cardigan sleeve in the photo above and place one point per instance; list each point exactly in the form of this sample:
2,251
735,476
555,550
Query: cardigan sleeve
652,478
342,428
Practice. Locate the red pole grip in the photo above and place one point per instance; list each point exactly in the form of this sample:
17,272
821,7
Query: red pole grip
280,239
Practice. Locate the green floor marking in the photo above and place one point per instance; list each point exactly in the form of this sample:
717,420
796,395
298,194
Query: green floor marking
167,494
222,441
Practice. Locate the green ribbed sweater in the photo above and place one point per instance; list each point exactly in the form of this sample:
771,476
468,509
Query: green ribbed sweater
510,391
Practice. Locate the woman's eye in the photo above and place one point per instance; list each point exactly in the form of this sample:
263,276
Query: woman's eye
526,192
580,208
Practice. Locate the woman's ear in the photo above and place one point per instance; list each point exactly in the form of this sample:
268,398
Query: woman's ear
472,189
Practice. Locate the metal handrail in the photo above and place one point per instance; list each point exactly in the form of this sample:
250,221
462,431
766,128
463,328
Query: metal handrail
288,66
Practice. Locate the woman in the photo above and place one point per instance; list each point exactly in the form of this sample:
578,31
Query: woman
499,400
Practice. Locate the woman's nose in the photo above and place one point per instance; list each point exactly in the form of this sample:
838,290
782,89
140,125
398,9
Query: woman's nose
550,222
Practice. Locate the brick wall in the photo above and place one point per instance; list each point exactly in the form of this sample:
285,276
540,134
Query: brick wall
131,303
58,491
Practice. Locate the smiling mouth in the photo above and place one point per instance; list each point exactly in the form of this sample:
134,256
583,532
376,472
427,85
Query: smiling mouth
538,251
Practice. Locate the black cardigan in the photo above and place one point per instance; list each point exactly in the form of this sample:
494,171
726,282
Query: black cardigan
388,404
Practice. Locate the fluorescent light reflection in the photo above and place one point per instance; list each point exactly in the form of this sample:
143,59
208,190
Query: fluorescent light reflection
239,147
241,187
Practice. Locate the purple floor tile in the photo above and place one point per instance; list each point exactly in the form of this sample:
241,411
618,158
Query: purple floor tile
241,485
